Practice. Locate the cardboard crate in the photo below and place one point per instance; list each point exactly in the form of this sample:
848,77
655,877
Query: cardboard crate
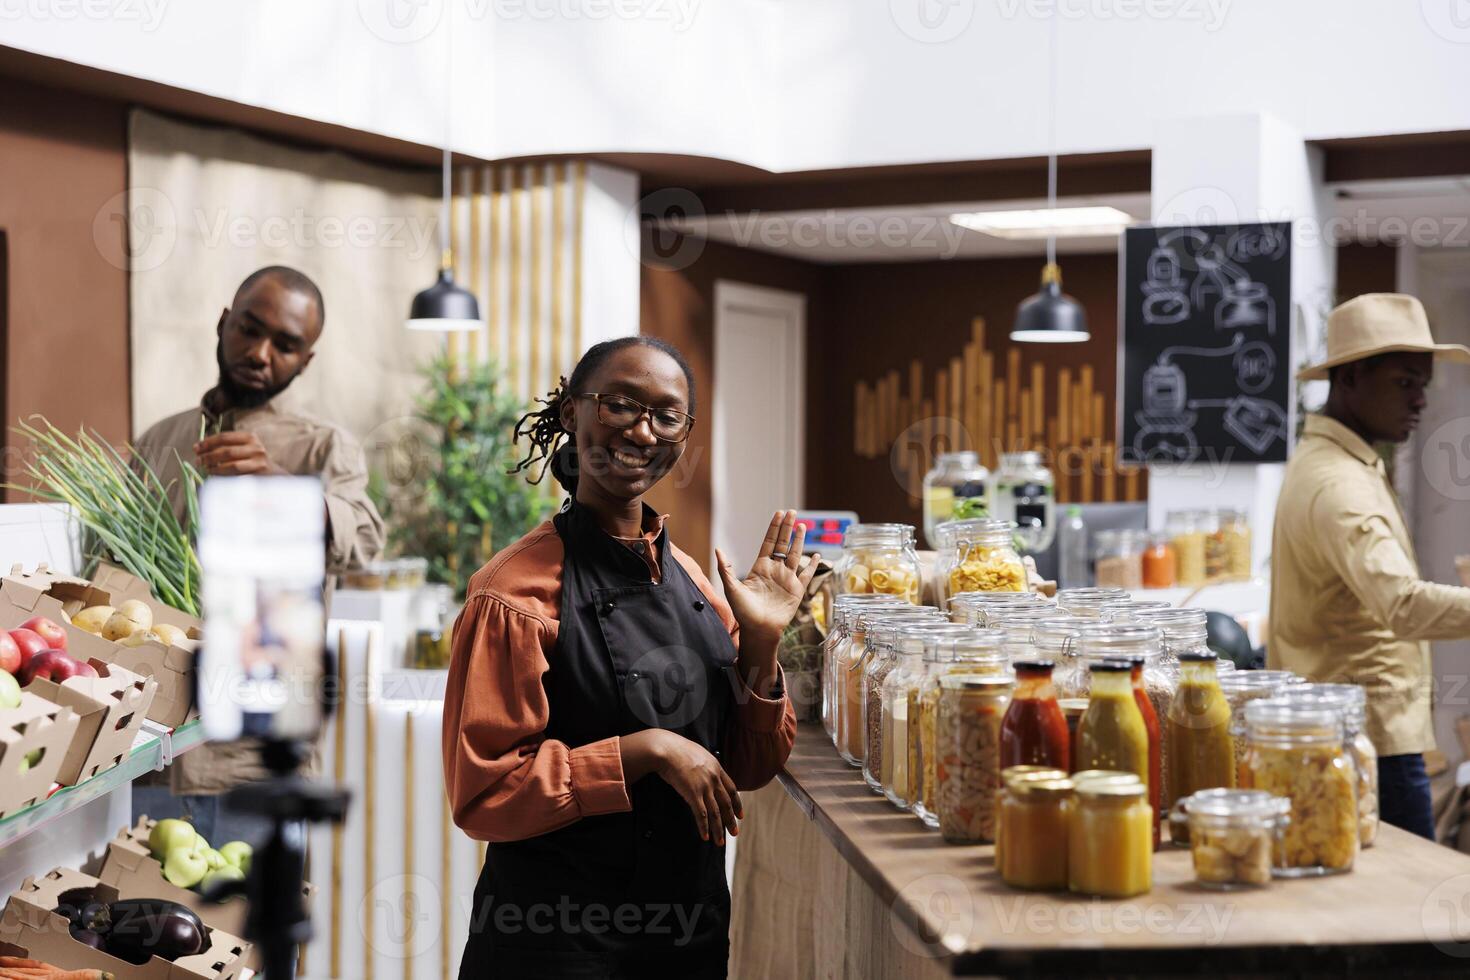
110,709
35,724
42,593
28,921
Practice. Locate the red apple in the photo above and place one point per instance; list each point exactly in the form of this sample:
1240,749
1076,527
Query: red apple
54,665
48,630
9,654
30,644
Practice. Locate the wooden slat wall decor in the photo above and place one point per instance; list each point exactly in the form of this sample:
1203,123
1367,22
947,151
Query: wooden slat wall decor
971,407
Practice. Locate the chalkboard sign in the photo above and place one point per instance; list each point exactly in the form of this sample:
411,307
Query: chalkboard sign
1206,314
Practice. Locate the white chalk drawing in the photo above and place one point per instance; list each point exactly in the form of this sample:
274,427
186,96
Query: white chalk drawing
1254,422
1165,300
1246,306
1255,367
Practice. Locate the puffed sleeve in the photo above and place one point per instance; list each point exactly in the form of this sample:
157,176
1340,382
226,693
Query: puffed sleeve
506,780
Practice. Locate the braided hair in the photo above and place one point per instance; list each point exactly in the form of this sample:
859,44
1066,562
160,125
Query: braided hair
550,444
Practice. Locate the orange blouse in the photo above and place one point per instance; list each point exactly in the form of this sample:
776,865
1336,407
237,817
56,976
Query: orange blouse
506,780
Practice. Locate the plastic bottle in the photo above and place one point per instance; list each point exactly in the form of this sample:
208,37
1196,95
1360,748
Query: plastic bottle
1072,570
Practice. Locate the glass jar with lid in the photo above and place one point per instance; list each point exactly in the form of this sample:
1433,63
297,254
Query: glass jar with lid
1240,688
1117,558
1297,752
1201,751
954,477
900,775
1233,834
1110,844
1034,730
1234,533
1129,610
1025,492
1186,529
1032,830
1101,642
1054,638
886,638
431,636
879,558
976,608
967,755
1352,700
1017,626
977,555
973,652
1088,602
851,735
836,646
1160,564
1209,523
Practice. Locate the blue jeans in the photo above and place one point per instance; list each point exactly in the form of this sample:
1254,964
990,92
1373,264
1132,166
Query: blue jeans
1403,794
212,819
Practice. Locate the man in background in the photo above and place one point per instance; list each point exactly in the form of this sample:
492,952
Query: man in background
265,341
1347,602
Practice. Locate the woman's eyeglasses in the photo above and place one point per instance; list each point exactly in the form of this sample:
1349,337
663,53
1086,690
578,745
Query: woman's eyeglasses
622,412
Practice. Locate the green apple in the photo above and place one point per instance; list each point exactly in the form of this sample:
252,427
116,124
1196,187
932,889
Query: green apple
30,760
9,690
225,872
200,845
184,868
238,853
170,835
214,859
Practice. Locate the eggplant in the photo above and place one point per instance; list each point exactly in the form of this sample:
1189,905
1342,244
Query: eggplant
79,906
142,927
88,938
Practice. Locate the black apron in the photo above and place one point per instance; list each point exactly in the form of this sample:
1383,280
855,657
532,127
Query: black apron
634,894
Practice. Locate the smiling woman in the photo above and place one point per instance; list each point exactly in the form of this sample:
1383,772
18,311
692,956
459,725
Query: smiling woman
605,707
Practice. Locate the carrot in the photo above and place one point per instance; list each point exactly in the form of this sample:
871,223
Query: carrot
18,968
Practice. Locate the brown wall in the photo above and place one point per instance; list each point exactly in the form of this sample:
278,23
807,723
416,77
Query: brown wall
882,316
677,305
1366,267
63,160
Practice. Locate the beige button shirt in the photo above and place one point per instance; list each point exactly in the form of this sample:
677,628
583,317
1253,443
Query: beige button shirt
1347,602
301,446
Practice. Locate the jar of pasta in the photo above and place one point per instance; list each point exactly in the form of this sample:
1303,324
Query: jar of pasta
1240,689
837,643
1234,533
1352,700
1160,565
1117,558
1186,532
1032,831
967,755
1025,492
978,555
1110,844
953,478
1233,834
1087,603
879,558
977,608
1297,752
1026,817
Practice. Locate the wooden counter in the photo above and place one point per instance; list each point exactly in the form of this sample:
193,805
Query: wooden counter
1402,908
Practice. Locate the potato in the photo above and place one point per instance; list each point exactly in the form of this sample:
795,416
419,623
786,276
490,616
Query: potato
120,626
137,610
93,618
139,637
170,634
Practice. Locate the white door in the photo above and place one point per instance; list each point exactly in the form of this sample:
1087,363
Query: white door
759,413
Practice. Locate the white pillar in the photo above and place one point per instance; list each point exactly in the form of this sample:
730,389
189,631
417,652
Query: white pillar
1244,168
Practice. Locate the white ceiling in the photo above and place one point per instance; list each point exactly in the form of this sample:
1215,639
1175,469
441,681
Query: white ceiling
1431,212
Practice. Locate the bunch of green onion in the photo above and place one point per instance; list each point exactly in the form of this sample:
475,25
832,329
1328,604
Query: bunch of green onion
123,509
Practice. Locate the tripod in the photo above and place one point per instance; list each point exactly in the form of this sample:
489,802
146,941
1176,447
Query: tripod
278,920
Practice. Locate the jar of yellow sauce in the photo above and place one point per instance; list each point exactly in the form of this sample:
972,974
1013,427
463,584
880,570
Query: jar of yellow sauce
1111,840
1009,775
1200,746
1035,820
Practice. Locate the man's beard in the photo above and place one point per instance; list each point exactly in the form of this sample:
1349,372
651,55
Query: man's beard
239,396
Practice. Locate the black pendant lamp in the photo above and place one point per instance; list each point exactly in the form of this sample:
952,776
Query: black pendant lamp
1051,316
445,307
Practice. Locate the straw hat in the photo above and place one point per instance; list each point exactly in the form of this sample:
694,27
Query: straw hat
1379,323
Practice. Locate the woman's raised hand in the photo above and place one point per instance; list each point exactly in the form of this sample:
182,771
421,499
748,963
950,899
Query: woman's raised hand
766,599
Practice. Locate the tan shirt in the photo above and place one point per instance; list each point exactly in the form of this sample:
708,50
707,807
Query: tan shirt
303,447
1347,602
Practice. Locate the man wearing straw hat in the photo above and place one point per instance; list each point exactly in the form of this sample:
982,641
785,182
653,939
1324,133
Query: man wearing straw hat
1347,602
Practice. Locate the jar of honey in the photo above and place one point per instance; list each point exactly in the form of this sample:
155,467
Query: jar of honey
1032,846
1110,844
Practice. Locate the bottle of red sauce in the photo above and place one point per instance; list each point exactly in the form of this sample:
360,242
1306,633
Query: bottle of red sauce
1034,730
1153,723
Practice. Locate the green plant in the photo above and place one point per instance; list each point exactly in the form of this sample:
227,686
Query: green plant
123,509
443,486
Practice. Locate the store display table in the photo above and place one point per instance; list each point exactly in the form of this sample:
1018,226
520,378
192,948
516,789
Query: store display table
1405,907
